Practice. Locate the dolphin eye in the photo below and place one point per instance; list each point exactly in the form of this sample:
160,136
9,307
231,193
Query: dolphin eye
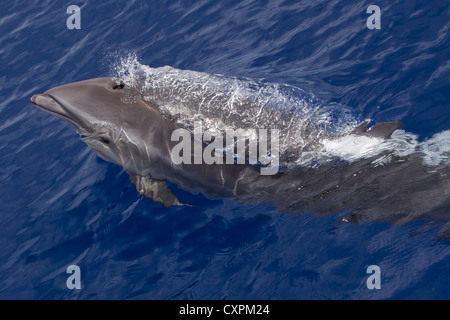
118,86
104,140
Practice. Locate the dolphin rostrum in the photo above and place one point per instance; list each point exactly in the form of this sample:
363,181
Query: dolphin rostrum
132,124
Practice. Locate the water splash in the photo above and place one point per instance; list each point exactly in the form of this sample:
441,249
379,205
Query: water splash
311,131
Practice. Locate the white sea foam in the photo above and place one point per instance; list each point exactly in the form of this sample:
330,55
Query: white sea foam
437,149
352,147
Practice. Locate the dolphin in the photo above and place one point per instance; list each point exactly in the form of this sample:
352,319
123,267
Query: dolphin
128,124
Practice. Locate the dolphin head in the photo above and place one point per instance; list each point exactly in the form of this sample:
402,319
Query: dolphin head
112,117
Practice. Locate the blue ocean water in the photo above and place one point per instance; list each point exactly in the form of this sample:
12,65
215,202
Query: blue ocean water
61,205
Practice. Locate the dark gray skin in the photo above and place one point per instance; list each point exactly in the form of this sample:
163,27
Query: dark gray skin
121,127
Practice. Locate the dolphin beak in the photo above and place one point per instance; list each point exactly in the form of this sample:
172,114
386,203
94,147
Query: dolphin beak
49,104
33,98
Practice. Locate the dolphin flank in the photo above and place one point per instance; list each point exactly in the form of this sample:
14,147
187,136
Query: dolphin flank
131,123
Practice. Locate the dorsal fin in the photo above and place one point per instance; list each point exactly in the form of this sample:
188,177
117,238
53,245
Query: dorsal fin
361,129
379,130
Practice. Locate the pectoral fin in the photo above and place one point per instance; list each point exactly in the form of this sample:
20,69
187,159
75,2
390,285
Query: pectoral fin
156,190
